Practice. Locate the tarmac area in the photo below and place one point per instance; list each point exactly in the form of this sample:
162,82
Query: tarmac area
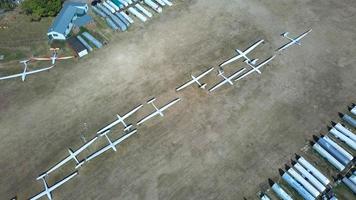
220,145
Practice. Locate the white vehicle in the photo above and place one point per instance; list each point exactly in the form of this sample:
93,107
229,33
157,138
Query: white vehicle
120,120
167,2
112,145
113,5
72,155
196,80
127,17
53,58
25,72
242,54
255,68
153,5
226,79
47,191
129,1
143,10
159,111
109,7
123,2
137,14
160,2
293,41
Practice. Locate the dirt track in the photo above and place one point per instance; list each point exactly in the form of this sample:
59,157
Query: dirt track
209,146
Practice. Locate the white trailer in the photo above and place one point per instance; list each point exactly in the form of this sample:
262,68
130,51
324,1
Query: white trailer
160,2
137,14
311,189
308,176
353,178
116,8
123,2
345,131
339,148
108,7
352,109
143,10
342,137
167,2
153,5
349,184
127,17
328,157
283,195
310,168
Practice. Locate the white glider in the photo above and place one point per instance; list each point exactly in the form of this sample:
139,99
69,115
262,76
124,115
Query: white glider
25,72
242,54
111,145
196,80
47,191
226,79
72,155
256,68
293,41
120,120
159,111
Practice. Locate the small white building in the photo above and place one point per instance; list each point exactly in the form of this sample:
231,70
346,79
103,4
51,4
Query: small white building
63,23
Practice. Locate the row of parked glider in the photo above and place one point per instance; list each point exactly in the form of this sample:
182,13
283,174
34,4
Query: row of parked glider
158,111
53,58
252,63
102,133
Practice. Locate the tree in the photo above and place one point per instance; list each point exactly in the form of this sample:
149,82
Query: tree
41,8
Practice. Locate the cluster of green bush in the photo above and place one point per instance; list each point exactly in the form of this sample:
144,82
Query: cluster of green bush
41,8
7,5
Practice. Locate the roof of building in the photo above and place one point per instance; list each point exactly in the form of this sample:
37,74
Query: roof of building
68,11
82,21
76,45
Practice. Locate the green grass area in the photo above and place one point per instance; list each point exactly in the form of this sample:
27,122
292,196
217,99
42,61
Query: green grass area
10,55
23,38
342,192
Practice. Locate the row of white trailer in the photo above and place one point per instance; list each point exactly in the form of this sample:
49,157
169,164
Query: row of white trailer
308,181
84,43
303,177
117,12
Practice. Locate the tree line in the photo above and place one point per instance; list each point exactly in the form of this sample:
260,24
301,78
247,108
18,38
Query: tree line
41,8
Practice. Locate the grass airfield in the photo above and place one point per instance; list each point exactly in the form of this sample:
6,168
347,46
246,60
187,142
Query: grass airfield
222,145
